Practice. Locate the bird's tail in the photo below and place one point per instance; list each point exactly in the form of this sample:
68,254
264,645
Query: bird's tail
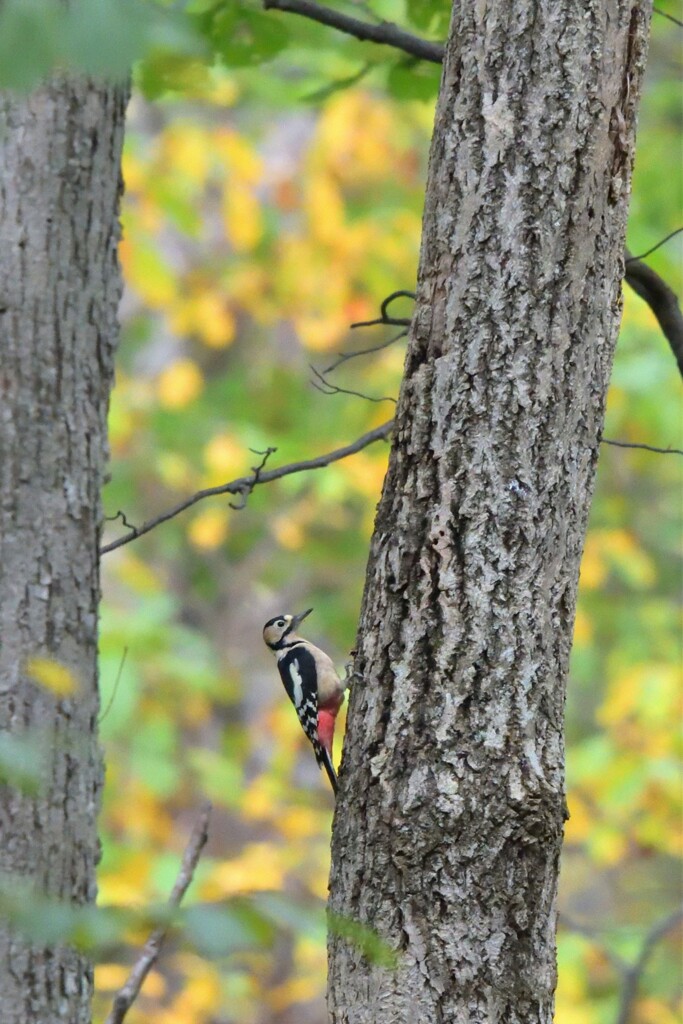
326,761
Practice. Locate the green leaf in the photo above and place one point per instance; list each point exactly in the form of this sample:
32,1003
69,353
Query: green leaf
31,36
246,38
414,80
429,15
218,930
22,761
37,37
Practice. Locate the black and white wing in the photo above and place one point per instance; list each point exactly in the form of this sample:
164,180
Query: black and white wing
300,678
299,674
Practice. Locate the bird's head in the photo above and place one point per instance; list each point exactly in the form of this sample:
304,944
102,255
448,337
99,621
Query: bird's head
282,629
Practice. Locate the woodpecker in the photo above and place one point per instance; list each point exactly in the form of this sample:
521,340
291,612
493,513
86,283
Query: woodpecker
311,682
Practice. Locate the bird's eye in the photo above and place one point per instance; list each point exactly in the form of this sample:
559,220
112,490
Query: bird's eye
281,622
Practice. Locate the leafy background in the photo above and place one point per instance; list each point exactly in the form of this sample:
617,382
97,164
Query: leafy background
274,183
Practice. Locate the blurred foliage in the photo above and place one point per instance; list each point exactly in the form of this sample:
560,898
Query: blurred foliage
266,209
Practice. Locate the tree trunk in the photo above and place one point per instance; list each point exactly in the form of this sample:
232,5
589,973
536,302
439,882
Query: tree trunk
449,822
59,290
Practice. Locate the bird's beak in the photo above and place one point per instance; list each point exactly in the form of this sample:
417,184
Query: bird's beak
300,618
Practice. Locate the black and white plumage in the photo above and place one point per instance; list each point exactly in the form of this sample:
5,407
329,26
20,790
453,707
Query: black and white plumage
311,682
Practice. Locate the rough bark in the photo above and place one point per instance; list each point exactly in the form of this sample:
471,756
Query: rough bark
59,291
449,821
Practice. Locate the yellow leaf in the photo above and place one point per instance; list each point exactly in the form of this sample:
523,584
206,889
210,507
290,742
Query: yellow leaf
259,867
648,691
128,884
242,217
299,822
147,273
241,159
655,1011
187,150
583,630
215,322
325,209
201,994
206,315
288,533
617,400
224,91
580,822
174,470
209,529
260,802
607,845
179,384
110,977
196,709
224,458
294,990
134,172
136,574
321,332
365,473
52,675
593,568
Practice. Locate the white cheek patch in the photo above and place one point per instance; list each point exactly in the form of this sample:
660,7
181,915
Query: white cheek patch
297,683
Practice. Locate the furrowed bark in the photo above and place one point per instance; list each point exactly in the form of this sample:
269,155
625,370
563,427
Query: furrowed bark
449,820
59,291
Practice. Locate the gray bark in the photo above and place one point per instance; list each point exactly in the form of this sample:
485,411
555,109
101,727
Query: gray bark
59,290
449,821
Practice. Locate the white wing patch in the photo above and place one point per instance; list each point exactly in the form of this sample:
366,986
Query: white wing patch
297,683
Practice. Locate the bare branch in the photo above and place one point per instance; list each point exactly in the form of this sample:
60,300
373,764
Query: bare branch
126,996
661,299
386,32
248,483
327,388
663,241
633,974
645,447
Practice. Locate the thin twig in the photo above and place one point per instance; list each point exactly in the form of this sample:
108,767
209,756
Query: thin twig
256,470
238,486
676,21
588,932
122,516
116,686
645,447
633,974
384,317
642,255
343,357
661,299
126,996
327,388
318,95
385,33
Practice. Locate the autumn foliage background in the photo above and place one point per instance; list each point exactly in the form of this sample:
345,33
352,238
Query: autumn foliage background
266,209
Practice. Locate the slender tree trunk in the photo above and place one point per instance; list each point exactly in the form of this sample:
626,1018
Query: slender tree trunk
59,290
449,822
